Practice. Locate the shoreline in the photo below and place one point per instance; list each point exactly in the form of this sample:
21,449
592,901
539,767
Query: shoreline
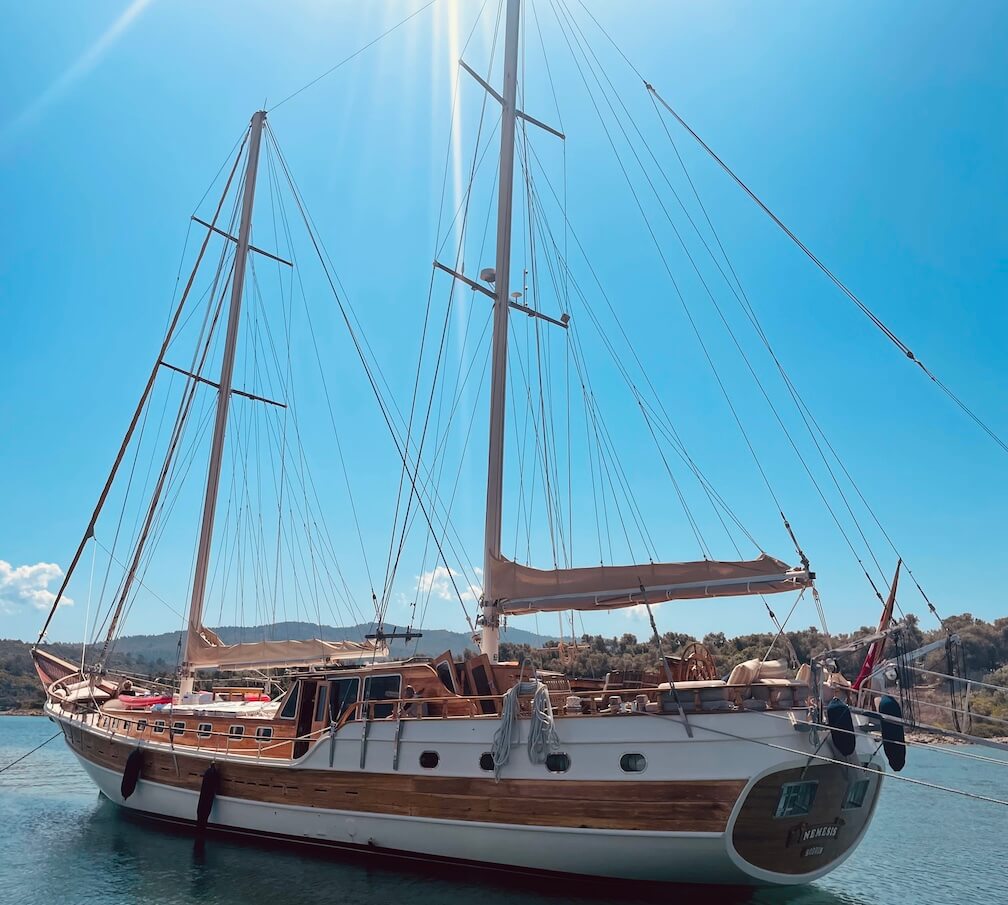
23,711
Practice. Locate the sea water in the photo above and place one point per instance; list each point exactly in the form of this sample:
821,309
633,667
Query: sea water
61,842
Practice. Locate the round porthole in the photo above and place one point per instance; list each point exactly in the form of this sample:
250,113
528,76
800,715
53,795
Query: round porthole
429,759
486,761
633,763
557,763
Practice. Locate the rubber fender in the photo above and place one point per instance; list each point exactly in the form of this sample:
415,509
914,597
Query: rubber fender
131,773
893,736
841,723
208,791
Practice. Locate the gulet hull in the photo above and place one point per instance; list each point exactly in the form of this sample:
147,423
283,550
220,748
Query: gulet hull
707,823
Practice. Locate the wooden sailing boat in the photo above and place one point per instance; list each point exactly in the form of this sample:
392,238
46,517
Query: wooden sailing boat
685,778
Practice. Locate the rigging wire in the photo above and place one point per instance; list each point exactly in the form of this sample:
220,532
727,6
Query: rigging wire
352,56
400,448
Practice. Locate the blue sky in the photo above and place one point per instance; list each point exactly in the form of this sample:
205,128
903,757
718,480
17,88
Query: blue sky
875,131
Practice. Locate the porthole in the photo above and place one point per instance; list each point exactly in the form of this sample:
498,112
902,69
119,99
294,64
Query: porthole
429,759
486,761
557,763
204,730
159,725
236,731
264,733
178,727
633,763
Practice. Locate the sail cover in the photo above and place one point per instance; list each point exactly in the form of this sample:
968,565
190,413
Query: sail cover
211,653
523,589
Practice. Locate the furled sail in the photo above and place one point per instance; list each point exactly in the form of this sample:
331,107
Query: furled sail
210,652
523,589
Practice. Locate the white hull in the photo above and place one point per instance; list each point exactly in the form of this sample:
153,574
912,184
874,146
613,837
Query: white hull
640,855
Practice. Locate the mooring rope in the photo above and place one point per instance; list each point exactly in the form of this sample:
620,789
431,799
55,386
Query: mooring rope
33,750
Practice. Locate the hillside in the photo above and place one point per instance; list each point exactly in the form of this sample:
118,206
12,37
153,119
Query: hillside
985,647
158,654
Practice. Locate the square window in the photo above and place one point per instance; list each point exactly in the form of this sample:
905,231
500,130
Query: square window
263,733
159,725
856,794
796,799
141,725
380,688
204,730
178,728
236,731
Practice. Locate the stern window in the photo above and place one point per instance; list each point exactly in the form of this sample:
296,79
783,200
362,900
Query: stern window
856,793
796,799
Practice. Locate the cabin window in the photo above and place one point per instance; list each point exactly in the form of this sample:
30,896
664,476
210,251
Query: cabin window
236,731
203,730
320,702
486,761
159,725
178,727
290,705
380,688
856,794
264,733
796,799
342,696
429,759
446,673
141,725
633,763
557,763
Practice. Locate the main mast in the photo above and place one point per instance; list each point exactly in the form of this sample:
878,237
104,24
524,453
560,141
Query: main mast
195,622
490,639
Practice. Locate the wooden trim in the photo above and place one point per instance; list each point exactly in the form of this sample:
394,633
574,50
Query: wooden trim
688,806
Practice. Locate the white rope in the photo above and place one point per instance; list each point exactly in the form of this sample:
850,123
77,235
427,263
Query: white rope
542,736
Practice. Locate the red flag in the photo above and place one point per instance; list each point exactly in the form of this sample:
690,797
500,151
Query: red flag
875,651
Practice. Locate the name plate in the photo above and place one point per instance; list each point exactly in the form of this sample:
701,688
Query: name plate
807,832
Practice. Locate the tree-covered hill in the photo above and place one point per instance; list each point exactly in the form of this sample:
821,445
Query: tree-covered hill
985,645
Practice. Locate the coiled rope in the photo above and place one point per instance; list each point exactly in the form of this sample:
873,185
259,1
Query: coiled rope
542,740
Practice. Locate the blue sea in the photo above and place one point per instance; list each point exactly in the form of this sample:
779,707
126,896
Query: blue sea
63,843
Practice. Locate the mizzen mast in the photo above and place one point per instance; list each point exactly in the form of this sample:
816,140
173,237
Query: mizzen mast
195,620
490,620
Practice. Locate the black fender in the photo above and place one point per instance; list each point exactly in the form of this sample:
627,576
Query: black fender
208,791
841,723
893,736
131,773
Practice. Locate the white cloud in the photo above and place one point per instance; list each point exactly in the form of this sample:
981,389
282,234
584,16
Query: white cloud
22,586
438,583
637,613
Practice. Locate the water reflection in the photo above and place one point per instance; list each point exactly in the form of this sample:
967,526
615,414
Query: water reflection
167,864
